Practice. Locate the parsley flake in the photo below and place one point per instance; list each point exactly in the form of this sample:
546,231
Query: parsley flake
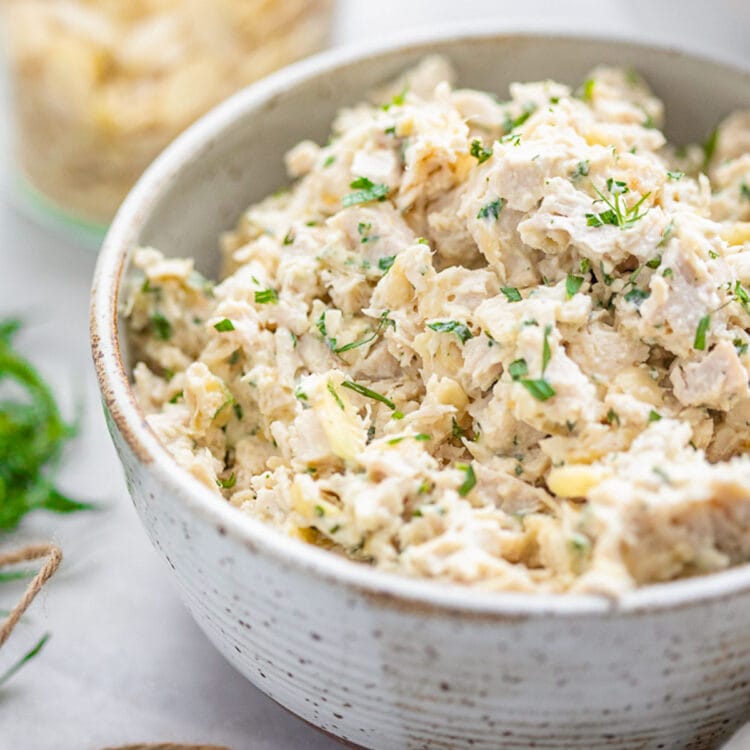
365,191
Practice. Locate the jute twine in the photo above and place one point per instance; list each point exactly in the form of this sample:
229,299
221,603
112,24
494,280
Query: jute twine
31,552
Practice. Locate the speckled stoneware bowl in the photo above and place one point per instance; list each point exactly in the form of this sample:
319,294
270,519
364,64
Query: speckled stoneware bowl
377,660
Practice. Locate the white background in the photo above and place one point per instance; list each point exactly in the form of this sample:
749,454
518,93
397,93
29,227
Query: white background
125,663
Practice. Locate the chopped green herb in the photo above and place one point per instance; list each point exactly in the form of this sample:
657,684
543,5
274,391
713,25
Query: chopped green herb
161,327
422,437
514,138
366,191
709,147
177,396
511,123
654,416
606,278
385,263
320,324
613,417
666,234
637,296
267,296
587,90
585,265
227,484
518,368
491,210
740,346
288,238
470,479
572,285
335,395
397,415
511,293
667,272
617,213
329,160
364,391
237,409
224,325
579,543
741,295
479,152
700,333
384,322
654,262
320,511
300,394
581,170
546,354
675,175
452,326
540,389
744,191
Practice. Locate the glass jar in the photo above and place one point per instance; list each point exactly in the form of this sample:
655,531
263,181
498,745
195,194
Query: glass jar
99,87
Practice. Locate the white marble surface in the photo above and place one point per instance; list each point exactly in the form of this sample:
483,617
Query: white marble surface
125,663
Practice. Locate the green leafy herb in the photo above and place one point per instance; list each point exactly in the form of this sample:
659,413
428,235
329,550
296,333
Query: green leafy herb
540,389
365,191
709,147
744,191
546,354
585,265
637,296
581,170
518,368
667,272
320,324
161,327
320,511
587,90
470,479
32,436
288,238
267,296
513,123
384,322
227,484
329,160
335,395
177,396
422,437
654,262
479,152
700,333
617,214
452,326
369,393
27,657
224,325
511,294
741,295
654,416
741,346
675,175
491,210
613,417
385,263
572,285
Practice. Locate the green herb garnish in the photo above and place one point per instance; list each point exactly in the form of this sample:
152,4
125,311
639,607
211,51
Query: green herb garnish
700,333
384,264
744,191
653,416
224,325
161,327
470,479
518,368
452,326
335,395
511,294
617,213
24,659
267,296
540,389
491,210
384,322
369,393
572,285
675,175
479,152
227,484
365,191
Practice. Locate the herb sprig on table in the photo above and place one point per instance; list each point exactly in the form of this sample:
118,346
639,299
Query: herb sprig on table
32,436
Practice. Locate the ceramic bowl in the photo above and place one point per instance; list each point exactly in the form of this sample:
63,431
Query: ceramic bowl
378,660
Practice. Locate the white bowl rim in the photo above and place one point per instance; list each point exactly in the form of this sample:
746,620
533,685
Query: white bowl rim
385,589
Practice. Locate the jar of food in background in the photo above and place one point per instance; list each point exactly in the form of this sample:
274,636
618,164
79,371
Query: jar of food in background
99,87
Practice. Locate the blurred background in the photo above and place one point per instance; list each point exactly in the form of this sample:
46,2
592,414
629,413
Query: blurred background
92,90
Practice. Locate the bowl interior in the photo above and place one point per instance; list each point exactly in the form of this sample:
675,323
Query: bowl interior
234,156
237,159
